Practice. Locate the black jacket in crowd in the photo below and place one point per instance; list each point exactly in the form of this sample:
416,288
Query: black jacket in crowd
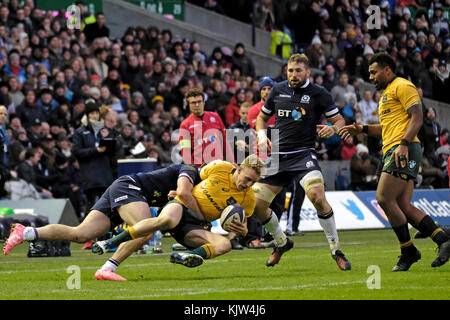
95,167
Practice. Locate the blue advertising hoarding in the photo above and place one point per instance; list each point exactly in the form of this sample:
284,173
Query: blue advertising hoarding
435,203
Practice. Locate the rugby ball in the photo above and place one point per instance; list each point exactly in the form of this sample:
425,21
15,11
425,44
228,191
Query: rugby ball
233,212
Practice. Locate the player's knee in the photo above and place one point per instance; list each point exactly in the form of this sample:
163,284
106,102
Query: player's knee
81,237
382,201
225,246
317,198
166,222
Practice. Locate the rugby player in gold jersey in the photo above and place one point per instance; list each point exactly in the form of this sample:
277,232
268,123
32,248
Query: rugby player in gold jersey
400,114
222,184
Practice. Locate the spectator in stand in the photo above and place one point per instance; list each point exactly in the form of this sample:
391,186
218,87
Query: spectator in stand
265,85
242,61
432,176
329,45
13,68
441,82
316,53
232,110
348,149
368,108
243,138
26,171
48,105
329,79
95,166
363,170
98,29
18,147
338,92
28,110
218,101
267,15
438,21
443,139
165,148
429,134
15,91
64,186
126,139
99,63
4,142
34,132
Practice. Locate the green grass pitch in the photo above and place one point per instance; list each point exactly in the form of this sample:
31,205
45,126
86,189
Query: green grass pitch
305,273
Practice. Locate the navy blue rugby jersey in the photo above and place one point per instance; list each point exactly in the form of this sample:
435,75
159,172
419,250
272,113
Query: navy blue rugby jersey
157,184
297,113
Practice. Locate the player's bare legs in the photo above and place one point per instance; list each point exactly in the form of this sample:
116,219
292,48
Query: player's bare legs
94,225
131,213
197,238
169,217
207,245
390,190
416,218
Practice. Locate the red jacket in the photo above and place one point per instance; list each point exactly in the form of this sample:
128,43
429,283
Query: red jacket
232,112
448,170
347,151
253,113
201,139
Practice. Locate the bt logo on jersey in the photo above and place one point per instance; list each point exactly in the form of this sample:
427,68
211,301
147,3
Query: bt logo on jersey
284,113
296,114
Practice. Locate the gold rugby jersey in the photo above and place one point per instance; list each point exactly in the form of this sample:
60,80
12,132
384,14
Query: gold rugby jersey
399,95
217,190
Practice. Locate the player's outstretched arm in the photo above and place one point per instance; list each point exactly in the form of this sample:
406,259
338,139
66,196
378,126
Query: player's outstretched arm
184,191
355,129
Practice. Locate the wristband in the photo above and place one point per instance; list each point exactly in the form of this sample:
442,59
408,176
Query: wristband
404,142
365,129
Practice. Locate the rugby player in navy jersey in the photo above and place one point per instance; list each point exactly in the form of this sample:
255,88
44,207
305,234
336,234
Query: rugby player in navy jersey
298,106
128,199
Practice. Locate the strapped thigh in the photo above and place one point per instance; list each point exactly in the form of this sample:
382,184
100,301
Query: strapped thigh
312,179
263,192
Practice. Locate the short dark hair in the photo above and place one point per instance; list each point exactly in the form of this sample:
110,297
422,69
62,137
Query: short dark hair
383,60
29,153
194,92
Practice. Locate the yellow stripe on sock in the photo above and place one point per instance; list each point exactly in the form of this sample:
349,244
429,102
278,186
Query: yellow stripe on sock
210,252
406,244
132,232
436,232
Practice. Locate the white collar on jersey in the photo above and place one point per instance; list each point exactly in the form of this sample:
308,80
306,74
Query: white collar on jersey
303,86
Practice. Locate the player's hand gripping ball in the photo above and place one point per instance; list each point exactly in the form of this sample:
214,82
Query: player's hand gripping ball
230,214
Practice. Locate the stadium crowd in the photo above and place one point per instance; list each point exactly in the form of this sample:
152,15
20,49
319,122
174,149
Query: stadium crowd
66,89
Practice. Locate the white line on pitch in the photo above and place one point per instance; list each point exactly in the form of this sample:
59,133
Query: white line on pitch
188,292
